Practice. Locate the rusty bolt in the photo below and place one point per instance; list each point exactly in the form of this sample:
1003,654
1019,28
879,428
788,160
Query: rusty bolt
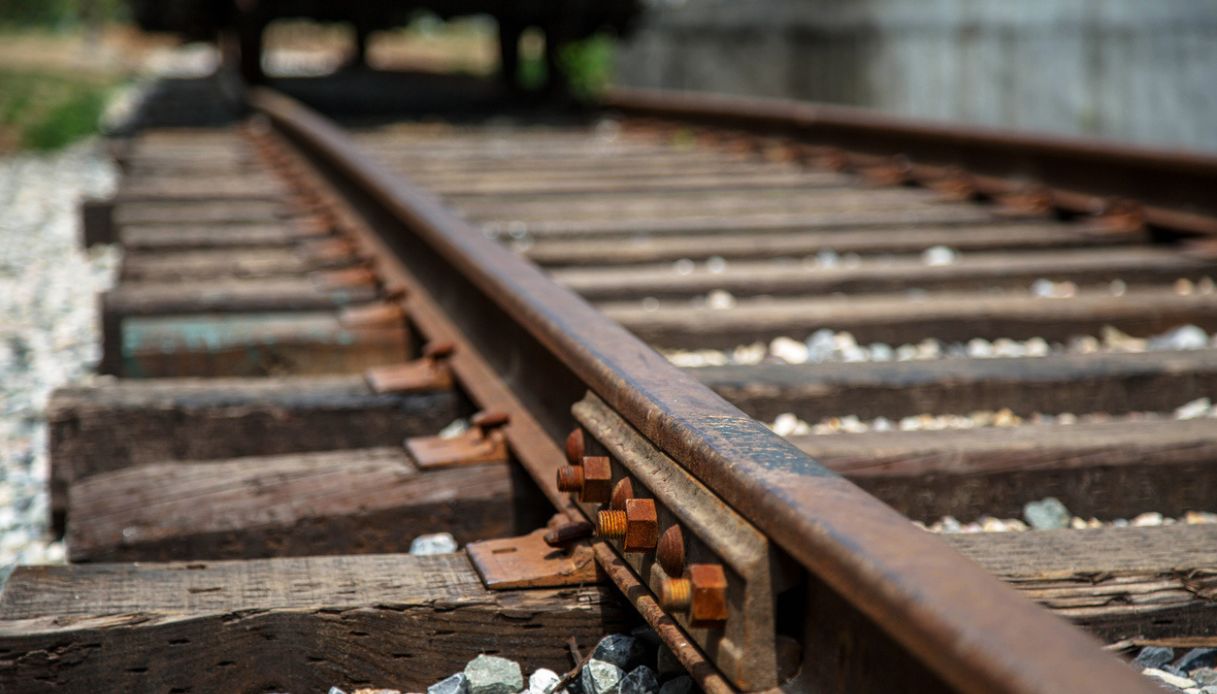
590,479
567,533
622,491
638,525
395,292
597,480
488,424
574,446
439,350
486,420
702,592
570,479
671,551
611,524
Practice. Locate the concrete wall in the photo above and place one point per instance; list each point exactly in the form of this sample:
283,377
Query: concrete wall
1137,70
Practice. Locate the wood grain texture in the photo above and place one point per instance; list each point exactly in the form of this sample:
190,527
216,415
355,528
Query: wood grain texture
116,425
300,625
204,212
255,263
235,186
1108,470
218,295
1120,583
367,501
195,236
898,319
1113,383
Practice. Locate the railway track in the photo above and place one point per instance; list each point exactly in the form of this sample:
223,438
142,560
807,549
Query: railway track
746,345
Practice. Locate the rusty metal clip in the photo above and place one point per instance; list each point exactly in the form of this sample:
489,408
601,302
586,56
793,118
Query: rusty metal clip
482,444
348,278
431,372
1117,218
1034,201
328,252
528,561
381,315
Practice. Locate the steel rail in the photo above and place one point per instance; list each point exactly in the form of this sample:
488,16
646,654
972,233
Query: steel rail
893,581
1175,188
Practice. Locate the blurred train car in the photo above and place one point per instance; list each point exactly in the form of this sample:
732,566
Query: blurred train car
243,21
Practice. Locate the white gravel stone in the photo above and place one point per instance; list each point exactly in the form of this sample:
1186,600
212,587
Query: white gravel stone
454,429
1146,520
542,682
828,258
716,264
1181,338
434,543
939,255
1194,409
720,300
789,351
1047,289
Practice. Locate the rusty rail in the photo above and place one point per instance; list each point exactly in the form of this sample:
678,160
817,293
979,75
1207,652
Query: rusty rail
893,595
1172,190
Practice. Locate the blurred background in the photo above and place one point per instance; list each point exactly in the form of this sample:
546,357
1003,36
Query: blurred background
1123,69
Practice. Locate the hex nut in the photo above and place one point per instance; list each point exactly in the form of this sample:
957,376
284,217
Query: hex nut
642,525
709,583
597,480
702,592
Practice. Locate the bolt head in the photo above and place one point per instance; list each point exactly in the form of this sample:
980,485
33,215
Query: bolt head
671,551
575,446
622,492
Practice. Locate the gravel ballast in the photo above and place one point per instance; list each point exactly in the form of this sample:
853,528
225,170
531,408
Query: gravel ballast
48,325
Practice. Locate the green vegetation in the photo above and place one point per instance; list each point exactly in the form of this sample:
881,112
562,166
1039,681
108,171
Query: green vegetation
48,111
57,13
588,64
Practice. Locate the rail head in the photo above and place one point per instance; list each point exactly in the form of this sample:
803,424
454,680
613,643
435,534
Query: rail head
962,624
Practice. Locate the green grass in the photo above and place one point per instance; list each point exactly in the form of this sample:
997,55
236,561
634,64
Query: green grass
49,111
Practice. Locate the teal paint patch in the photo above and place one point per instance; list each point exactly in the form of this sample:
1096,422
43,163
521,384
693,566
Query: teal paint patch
214,333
